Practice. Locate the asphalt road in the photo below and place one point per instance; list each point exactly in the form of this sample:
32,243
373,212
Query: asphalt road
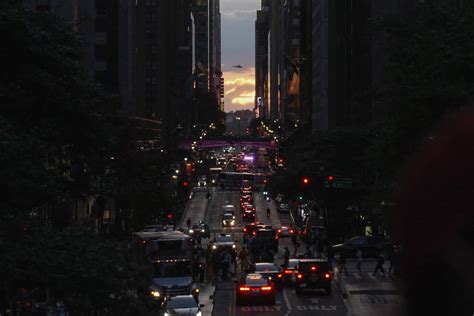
287,302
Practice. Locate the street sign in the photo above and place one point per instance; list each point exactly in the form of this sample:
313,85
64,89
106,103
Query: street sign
339,183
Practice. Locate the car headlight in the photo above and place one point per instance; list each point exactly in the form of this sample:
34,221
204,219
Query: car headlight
223,222
197,290
199,313
232,222
155,293
191,231
203,230
233,246
214,247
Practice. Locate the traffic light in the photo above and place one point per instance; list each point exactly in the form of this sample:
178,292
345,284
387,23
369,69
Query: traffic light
331,181
169,216
306,181
185,184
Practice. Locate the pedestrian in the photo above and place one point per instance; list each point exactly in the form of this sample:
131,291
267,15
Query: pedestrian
209,272
379,266
359,261
216,264
188,223
319,248
286,257
391,258
342,263
225,262
202,265
244,259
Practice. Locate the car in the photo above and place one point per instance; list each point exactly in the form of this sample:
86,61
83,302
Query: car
269,270
253,287
202,182
223,240
228,220
370,246
279,198
289,272
228,208
285,231
283,208
267,237
248,216
246,190
246,198
313,274
252,228
200,229
249,207
182,305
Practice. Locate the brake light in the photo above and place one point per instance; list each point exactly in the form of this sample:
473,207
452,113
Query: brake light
279,275
254,233
299,276
245,229
313,268
244,289
288,272
327,275
292,231
266,288
279,231
276,237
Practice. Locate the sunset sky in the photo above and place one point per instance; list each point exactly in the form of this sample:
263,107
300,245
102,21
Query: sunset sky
238,48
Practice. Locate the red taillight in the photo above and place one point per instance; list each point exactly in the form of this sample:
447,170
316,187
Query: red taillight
276,237
279,275
254,233
313,268
245,229
299,276
244,289
292,231
288,271
266,288
327,276
279,231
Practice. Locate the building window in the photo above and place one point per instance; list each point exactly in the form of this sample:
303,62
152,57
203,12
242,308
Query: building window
101,12
100,66
100,38
43,5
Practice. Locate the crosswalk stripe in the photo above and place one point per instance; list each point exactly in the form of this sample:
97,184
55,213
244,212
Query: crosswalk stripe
356,275
372,276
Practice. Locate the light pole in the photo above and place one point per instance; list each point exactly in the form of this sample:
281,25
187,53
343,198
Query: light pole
238,124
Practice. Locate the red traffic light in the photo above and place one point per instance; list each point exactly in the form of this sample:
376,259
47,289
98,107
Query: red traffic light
331,178
185,184
306,180
169,216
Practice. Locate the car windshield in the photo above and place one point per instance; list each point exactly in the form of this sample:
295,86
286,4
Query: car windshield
292,263
224,239
181,302
266,267
227,216
171,269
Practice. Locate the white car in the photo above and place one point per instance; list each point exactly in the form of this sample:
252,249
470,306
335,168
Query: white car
182,305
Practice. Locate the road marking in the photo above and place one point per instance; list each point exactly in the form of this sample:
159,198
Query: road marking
372,276
356,275
330,308
287,301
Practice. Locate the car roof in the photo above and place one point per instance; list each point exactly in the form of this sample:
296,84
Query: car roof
313,260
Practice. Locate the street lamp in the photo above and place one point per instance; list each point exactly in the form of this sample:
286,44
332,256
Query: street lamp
238,124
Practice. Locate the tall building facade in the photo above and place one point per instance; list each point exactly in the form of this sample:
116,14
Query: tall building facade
201,57
262,26
215,71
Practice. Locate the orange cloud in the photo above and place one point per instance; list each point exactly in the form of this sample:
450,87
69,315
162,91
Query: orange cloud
239,89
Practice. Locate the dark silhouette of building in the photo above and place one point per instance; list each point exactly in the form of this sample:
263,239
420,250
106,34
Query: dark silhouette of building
262,26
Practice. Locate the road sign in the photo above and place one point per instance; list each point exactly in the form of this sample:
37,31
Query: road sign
339,183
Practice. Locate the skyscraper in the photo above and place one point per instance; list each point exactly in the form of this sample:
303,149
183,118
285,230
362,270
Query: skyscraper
261,60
